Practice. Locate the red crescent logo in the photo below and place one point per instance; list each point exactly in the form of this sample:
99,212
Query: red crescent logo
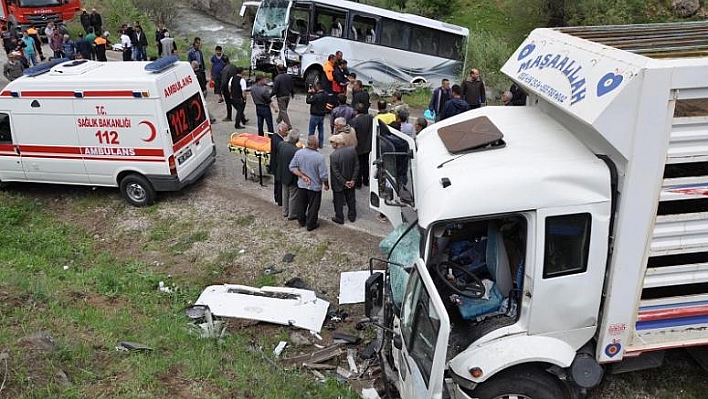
198,105
153,130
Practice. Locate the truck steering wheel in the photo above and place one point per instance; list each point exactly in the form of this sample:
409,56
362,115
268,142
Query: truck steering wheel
460,280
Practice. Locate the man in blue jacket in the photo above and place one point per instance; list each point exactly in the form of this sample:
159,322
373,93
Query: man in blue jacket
439,98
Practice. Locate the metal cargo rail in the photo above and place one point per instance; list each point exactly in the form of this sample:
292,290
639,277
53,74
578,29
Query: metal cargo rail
666,40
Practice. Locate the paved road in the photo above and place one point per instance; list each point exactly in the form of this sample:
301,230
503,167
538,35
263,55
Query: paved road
227,171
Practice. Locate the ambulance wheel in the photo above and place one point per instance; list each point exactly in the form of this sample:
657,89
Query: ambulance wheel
137,190
524,382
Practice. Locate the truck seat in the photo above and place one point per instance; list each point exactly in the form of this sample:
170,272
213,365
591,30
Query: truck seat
497,261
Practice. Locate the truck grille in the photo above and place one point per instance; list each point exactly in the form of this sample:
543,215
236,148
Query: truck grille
43,19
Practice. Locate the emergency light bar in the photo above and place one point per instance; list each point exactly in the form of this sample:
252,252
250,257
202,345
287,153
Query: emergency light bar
43,68
161,64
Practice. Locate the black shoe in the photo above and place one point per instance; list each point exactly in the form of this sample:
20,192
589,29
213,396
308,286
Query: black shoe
226,120
352,219
366,183
295,218
245,121
313,227
335,220
239,127
301,224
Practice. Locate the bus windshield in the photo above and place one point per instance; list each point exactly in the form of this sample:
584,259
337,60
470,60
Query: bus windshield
39,3
271,19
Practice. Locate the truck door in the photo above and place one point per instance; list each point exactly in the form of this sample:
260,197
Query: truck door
425,328
10,159
392,173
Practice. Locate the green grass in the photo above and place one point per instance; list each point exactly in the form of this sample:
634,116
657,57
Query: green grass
101,300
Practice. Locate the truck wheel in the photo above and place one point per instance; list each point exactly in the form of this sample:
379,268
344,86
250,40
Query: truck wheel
137,190
522,383
313,76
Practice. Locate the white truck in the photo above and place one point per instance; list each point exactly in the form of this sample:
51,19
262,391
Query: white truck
537,248
142,127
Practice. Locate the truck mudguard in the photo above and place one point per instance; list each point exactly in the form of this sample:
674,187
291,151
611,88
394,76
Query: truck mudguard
503,353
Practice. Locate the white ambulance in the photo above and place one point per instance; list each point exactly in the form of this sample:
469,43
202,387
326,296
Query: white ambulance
140,126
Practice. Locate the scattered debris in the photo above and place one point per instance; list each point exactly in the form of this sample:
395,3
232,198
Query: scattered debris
297,282
343,338
203,323
279,305
287,258
344,373
351,286
370,351
66,267
126,346
351,355
298,338
163,288
272,270
317,336
314,357
279,349
243,251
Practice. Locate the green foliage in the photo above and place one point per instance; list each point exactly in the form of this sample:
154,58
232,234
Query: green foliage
488,53
100,299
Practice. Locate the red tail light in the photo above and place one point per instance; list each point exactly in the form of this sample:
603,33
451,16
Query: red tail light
173,165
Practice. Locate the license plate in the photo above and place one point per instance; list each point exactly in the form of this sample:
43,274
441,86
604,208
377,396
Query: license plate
184,156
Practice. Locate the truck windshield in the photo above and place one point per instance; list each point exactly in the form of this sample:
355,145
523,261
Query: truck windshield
271,19
39,3
420,325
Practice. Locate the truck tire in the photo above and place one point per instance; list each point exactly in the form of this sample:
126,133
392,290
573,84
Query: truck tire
137,190
520,383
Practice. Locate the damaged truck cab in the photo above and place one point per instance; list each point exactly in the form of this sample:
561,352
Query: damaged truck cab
536,248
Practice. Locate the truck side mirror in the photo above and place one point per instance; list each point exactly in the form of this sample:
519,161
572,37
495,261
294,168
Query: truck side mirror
373,296
397,341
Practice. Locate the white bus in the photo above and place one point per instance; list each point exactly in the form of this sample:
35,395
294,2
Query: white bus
380,46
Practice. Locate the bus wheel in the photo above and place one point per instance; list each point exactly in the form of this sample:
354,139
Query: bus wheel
520,383
137,190
313,76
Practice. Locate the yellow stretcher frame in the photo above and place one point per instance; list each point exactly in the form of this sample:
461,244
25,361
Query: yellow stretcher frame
253,161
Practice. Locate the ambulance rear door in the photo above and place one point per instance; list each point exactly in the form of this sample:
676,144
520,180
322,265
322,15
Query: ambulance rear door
189,133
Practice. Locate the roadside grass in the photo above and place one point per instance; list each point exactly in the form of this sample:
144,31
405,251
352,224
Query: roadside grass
100,299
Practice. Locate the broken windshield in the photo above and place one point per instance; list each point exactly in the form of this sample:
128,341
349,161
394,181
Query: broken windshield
271,19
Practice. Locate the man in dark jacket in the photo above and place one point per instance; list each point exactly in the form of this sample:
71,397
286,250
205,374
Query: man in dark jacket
286,151
140,45
96,22
283,90
227,72
275,140
317,98
363,123
473,90
439,98
359,95
343,171
455,105
84,46
237,88
85,19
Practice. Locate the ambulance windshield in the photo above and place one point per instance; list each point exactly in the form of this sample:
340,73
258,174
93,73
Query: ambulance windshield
39,3
186,117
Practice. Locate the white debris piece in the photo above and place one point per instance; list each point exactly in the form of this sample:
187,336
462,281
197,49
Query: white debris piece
278,305
352,286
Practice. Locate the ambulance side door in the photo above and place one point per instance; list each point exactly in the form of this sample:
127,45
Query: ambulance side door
47,139
10,158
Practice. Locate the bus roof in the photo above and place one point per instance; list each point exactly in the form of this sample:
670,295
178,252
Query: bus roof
382,12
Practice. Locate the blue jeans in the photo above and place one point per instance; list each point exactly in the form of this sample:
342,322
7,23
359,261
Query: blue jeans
139,53
263,114
317,121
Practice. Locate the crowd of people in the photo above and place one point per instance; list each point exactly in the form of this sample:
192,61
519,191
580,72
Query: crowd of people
300,175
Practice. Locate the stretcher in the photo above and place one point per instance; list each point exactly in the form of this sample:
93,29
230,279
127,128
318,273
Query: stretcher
254,151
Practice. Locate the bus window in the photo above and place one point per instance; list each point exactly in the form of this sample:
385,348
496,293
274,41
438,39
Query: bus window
453,49
424,41
299,25
395,34
363,29
329,22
